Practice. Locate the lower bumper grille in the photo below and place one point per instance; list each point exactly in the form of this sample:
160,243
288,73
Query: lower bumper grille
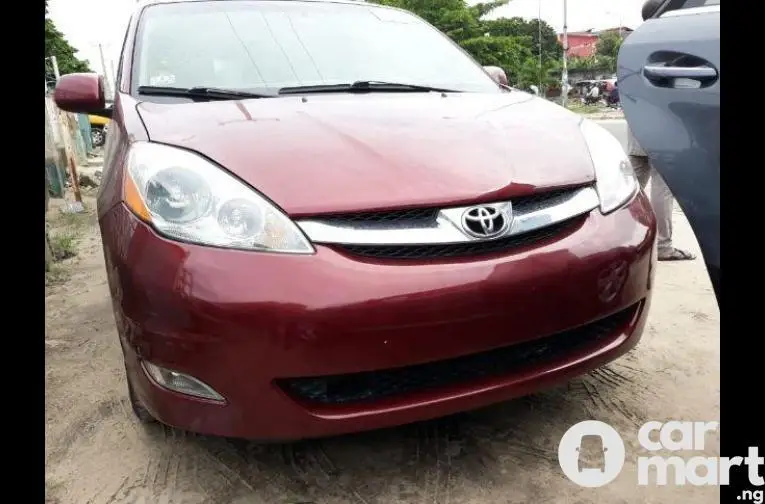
375,385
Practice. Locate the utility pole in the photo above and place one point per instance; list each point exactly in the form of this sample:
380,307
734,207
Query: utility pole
564,73
56,73
107,90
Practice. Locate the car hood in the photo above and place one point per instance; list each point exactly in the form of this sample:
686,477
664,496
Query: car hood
350,152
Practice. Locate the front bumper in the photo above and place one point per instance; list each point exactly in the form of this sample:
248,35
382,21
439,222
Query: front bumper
251,324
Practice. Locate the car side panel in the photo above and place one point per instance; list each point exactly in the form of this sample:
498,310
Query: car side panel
679,127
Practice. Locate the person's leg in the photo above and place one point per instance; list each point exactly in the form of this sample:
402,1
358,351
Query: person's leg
642,169
663,203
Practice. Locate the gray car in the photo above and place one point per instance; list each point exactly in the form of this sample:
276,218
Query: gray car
669,85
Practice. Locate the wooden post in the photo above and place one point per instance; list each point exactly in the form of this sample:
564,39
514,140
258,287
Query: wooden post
66,124
75,181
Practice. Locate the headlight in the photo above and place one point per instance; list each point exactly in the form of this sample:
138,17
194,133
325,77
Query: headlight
186,197
615,179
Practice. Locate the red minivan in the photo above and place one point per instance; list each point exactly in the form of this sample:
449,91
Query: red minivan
322,217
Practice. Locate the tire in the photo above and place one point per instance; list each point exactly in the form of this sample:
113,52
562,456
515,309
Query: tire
97,136
141,413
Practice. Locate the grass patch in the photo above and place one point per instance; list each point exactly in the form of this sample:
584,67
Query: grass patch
65,231
52,489
64,245
581,108
73,221
56,275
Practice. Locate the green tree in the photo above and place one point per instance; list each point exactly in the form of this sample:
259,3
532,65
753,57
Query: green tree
453,17
507,53
511,44
57,45
607,50
518,27
592,65
548,76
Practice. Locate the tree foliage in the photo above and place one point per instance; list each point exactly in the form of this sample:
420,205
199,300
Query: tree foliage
57,45
592,65
508,53
519,27
609,44
607,50
512,44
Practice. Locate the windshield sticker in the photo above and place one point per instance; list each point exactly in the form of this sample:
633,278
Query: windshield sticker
163,79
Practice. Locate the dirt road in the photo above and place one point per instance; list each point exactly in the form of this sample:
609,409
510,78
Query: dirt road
97,453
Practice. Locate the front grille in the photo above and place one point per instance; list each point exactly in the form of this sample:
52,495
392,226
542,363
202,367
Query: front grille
376,385
412,216
423,216
465,249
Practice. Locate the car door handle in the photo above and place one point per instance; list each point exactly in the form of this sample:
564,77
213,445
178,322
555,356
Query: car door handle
671,72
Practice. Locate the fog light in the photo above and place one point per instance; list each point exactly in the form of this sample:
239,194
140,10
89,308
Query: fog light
181,383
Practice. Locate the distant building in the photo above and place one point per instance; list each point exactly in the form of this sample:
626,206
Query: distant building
583,44
619,30
580,44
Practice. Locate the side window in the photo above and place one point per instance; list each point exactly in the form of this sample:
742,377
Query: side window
690,4
656,8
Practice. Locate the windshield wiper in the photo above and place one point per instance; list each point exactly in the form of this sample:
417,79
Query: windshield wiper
363,87
205,93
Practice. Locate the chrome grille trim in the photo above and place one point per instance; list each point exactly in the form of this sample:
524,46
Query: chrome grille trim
446,228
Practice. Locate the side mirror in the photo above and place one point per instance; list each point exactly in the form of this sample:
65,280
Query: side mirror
651,7
496,73
82,93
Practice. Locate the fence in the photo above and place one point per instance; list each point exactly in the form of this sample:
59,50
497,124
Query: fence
67,143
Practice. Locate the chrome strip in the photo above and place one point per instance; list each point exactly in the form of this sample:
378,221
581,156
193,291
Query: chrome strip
447,226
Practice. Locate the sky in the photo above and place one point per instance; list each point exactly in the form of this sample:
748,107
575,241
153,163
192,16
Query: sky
88,23
581,14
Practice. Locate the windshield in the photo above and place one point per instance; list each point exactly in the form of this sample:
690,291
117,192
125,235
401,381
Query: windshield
263,46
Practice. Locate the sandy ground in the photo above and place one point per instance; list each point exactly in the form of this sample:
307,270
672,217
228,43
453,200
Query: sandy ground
96,452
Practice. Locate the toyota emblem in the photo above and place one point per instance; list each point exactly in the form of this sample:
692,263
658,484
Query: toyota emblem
485,221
